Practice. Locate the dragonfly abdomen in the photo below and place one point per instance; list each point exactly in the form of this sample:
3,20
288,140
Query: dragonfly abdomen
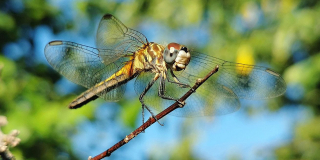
122,76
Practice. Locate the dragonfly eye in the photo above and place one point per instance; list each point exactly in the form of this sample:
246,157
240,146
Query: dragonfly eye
169,56
184,49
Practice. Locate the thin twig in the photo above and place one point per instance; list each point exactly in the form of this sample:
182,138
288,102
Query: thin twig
151,120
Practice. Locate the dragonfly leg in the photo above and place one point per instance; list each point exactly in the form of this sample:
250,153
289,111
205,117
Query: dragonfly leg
161,93
176,81
142,113
143,104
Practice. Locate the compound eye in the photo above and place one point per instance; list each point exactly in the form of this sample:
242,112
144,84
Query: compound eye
169,56
184,49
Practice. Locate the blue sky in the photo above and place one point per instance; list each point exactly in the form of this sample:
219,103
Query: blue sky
249,137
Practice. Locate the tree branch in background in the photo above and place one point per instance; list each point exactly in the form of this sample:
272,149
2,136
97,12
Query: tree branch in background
7,140
151,120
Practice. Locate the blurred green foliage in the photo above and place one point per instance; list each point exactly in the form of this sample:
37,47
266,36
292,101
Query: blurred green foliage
286,34
38,113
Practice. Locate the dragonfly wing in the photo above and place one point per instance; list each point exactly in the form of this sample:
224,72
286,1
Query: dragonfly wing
246,81
83,65
114,35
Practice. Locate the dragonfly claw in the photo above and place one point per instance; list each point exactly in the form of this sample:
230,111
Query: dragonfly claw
184,86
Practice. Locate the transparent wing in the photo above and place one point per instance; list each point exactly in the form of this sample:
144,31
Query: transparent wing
115,36
83,65
246,81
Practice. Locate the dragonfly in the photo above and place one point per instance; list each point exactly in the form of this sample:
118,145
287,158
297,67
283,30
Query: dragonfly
162,73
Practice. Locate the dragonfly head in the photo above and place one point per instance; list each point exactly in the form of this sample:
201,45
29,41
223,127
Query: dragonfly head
177,56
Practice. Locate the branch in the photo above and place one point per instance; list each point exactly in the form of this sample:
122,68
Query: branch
151,120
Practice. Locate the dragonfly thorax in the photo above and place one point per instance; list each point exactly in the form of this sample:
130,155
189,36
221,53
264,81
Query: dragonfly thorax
176,56
149,57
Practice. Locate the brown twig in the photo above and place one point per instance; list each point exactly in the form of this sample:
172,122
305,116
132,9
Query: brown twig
151,120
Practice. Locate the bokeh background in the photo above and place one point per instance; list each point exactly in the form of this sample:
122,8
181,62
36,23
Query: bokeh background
283,35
